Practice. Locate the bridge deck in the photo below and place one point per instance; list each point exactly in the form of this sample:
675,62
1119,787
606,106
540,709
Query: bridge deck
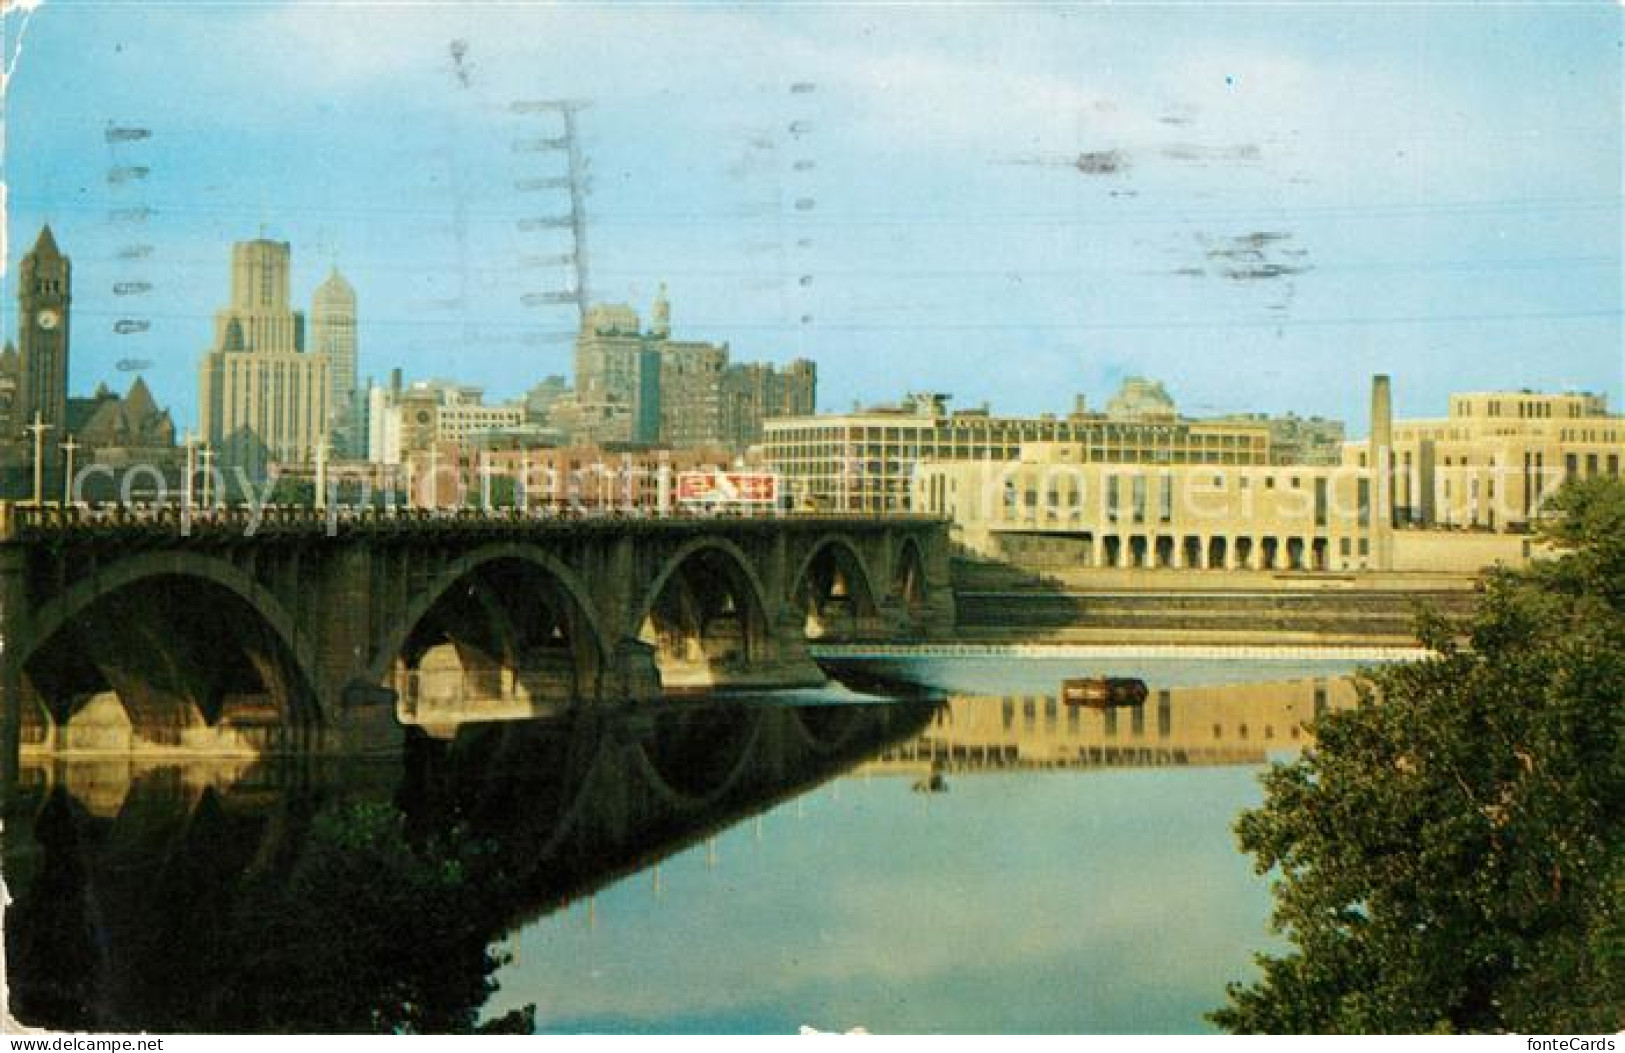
23,522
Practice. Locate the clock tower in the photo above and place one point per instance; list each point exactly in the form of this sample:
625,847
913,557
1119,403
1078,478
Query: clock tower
43,283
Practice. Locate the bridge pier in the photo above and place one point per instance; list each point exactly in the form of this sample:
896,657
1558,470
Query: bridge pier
14,636
634,674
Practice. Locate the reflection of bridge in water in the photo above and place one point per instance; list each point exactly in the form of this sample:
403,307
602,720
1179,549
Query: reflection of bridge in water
1216,724
243,895
128,634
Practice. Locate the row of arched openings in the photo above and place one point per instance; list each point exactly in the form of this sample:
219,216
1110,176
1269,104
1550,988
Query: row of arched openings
197,661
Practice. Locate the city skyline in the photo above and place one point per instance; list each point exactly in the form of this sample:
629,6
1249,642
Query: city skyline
1174,221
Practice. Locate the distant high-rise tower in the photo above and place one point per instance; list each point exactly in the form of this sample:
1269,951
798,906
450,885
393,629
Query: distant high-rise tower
332,333
259,317
44,293
261,397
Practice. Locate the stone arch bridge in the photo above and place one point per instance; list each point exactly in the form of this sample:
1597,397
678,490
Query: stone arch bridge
295,632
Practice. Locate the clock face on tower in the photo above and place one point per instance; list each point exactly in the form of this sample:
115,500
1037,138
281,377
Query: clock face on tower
47,319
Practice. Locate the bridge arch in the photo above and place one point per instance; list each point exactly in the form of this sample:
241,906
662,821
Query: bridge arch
159,657
62,610
465,571
834,588
706,612
908,584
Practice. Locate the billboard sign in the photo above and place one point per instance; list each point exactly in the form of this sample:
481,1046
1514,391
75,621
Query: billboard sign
728,488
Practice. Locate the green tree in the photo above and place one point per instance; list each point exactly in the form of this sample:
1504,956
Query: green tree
290,491
503,492
370,932
1450,857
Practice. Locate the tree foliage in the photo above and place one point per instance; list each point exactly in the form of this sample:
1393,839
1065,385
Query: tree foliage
370,932
1449,856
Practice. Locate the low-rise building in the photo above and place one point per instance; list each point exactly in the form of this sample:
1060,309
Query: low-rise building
1415,496
407,420
866,460
579,478
1298,440
1494,458
1054,504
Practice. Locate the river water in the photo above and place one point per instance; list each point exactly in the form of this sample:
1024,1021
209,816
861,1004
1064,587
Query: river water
978,858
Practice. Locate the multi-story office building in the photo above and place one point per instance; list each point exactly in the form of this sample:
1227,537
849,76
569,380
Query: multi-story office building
1055,505
407,421
591,423
1496,456
542,397
691,383
333,333
1293,439
1298,440
755,392
262,398
865,461
616,368
641,386
1481,472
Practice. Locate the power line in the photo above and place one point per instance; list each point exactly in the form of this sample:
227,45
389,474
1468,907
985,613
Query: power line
1074,216
718,325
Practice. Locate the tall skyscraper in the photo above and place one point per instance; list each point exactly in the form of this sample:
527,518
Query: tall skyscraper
262,397
641,386
44,295
332,333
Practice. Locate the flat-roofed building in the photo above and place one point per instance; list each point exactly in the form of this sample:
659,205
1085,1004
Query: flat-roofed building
573,477
865,461
1057,504
1298,440
1496,456
411,420
1415,496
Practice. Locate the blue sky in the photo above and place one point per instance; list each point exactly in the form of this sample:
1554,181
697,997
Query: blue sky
1259,204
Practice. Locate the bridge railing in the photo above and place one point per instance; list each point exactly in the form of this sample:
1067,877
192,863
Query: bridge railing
24,520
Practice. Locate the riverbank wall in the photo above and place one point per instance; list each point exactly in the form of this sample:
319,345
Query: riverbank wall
999,604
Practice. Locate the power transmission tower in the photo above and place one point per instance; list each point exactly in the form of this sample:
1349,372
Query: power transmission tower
562,138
